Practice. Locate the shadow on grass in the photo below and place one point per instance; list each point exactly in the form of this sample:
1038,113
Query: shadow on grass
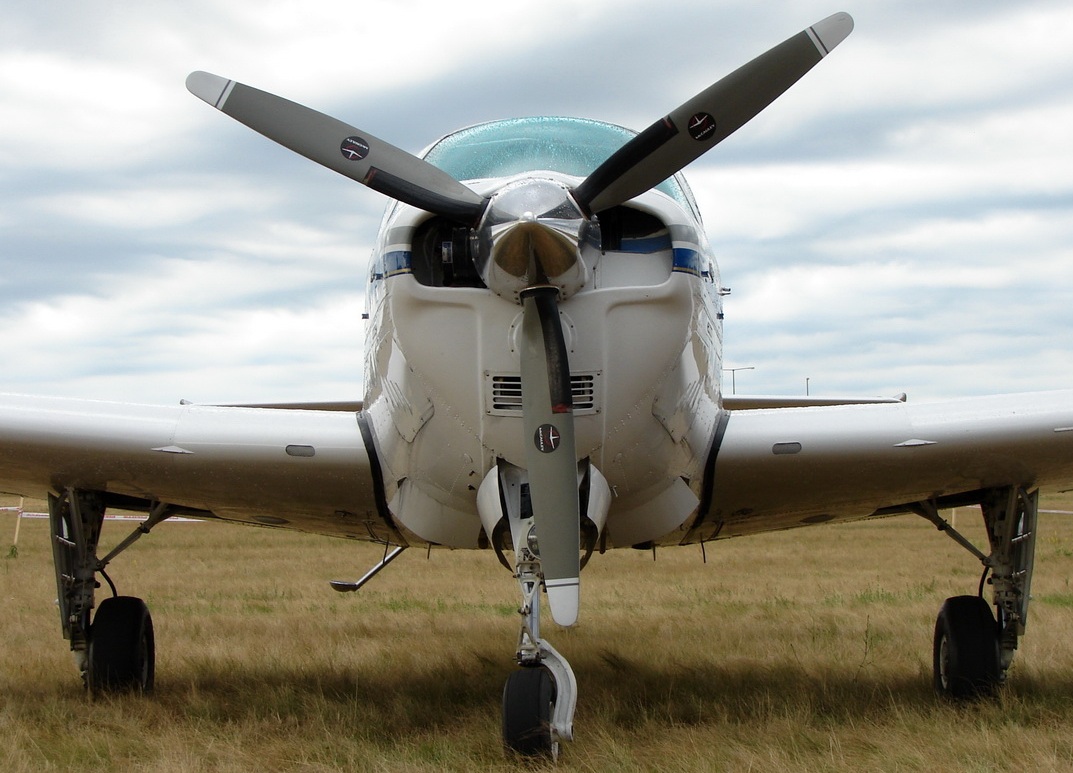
626,693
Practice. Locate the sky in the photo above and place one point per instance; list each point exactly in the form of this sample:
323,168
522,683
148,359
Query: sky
901,220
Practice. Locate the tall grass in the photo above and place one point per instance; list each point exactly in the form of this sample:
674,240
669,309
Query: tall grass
800,650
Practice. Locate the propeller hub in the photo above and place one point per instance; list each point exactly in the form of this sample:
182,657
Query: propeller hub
530,236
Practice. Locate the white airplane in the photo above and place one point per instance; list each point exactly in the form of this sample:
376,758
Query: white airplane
543,366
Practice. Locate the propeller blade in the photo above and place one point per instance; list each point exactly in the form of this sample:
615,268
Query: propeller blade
707,119
551,455
342,148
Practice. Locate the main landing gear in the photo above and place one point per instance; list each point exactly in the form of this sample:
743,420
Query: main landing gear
973,650
116,652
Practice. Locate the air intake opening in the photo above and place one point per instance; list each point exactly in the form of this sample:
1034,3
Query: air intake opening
503,396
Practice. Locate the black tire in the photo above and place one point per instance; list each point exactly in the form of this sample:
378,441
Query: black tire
966,649
528,698
122,649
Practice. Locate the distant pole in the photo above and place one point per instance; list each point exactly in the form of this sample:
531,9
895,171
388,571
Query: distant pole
14,552
806,386
733,377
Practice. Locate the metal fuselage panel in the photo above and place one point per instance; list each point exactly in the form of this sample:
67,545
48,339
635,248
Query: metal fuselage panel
644,345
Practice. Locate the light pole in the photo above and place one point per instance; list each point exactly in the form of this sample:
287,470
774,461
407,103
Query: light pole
733,377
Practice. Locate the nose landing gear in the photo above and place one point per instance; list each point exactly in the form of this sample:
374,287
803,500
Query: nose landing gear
539,698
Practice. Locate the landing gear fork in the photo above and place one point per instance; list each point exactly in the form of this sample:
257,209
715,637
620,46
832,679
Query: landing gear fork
75,520
1011,517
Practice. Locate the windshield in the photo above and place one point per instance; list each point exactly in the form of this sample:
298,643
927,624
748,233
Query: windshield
572,146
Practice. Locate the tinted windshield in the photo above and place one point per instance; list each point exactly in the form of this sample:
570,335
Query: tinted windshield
572,146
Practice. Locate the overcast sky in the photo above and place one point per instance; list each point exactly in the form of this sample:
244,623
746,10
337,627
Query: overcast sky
900,220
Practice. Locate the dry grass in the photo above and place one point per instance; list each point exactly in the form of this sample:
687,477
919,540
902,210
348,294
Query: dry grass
792,651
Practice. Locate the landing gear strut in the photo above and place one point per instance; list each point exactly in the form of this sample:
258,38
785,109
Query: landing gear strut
972,649
539,698
116,652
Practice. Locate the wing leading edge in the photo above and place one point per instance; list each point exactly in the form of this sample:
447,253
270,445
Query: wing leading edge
780,468
307,469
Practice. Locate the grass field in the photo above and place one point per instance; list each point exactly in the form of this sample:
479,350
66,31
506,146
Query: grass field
803,650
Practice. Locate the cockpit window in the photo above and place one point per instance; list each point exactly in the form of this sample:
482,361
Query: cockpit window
572,146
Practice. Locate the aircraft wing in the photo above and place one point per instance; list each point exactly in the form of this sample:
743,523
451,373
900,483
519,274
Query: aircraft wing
780,468
305,469
752,402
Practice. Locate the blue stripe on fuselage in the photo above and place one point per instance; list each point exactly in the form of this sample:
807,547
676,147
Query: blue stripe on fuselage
645,245
686,261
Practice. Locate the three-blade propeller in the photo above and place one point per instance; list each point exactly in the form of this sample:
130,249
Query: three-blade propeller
531,245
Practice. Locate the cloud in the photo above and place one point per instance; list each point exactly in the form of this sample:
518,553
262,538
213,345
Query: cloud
898,220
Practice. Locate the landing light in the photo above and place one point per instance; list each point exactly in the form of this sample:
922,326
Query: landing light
531,541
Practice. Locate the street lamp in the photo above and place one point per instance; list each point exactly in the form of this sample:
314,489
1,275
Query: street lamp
733,377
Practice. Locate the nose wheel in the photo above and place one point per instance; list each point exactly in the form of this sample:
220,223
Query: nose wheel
528,702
